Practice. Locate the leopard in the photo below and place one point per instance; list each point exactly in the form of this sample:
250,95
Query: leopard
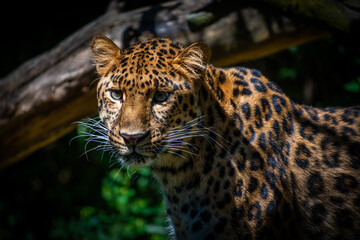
234,157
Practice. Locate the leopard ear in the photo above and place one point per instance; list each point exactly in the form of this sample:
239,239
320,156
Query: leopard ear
193,59
105,53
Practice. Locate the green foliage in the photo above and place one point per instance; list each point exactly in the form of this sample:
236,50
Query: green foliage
134,207
357,60
132,211
287,73
353,86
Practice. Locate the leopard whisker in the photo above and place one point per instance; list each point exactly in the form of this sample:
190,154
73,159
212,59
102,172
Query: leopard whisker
89,150
185,133
210,139
111,157
98,133
186,137
175,153
182,150
180,143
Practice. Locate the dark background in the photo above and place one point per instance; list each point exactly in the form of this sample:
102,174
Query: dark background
58,193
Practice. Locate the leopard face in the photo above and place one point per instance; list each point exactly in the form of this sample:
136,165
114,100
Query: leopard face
143,94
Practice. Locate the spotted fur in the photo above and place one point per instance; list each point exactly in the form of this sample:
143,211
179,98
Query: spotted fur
236,158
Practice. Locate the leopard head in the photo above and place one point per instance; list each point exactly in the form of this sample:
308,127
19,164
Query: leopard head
148,97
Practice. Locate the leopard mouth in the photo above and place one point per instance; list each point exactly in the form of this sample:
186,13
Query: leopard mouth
134,158
137,160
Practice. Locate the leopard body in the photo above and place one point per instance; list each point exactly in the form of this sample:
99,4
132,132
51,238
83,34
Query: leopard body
235,157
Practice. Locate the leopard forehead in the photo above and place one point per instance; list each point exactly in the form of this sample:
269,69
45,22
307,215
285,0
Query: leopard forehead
146,65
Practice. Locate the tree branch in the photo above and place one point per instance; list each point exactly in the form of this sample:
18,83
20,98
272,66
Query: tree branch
342,15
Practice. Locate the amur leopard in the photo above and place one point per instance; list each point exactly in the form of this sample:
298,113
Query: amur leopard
235,157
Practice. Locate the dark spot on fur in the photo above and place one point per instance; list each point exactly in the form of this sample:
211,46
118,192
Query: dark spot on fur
302,155
262,141
238,188
344,219
185,208
246,91
318,213
246,110
315,184
274,87
222,77
197,226
254,211
278,102
345,183
256,73
256,161
259,86
236,92
205,216
271,208
253,185
264,191
220,225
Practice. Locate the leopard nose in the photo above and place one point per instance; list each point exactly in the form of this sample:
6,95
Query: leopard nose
133,139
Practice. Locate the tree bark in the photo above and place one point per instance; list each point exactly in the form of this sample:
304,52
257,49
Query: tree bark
40,100
343,15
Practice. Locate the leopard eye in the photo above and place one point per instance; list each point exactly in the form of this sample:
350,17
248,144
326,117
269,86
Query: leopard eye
116,95
160,96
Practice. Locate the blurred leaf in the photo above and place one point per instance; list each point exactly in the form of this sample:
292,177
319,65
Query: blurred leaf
353,86
287,73
87,212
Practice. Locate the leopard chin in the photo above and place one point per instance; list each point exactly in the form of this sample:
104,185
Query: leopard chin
135,159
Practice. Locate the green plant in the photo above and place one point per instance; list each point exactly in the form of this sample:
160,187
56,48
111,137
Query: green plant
353,86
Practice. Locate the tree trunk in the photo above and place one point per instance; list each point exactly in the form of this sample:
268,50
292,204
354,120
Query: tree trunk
42,98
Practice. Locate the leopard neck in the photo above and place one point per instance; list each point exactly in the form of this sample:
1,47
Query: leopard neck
231,160
234,126
238,109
